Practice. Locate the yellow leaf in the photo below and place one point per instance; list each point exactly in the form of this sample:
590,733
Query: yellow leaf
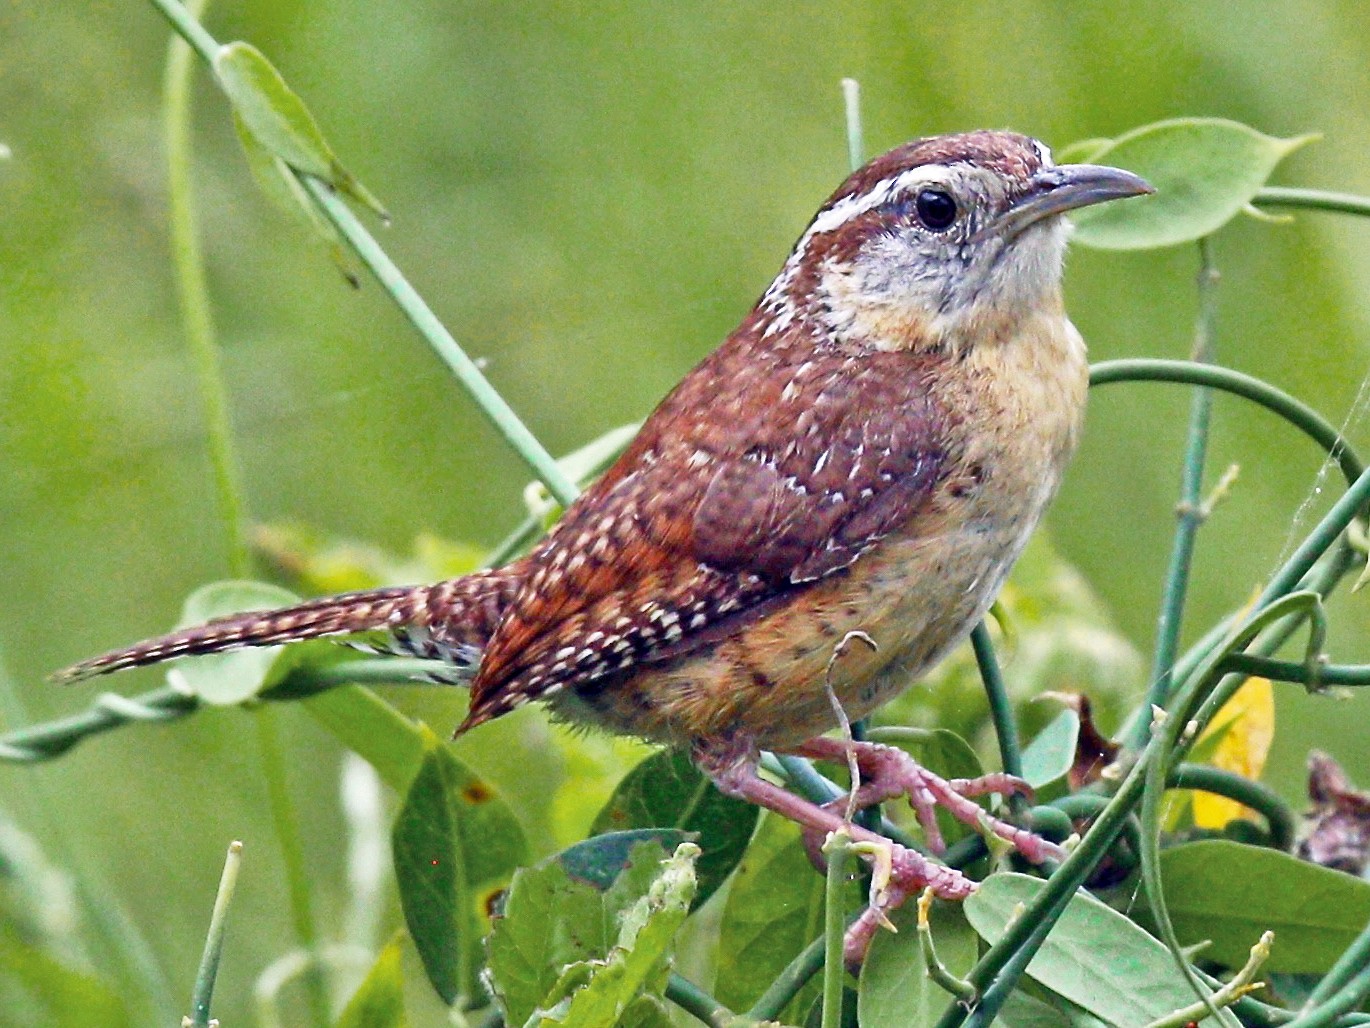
1247,724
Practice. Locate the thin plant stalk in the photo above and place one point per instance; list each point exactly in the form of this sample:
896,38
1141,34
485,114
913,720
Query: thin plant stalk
695,1001
187,260
838,850
491,404
1314,200
1000,707
1189,515
1296,412
287,823
214,941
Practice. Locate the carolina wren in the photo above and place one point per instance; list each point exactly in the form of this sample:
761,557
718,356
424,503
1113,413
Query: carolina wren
865,455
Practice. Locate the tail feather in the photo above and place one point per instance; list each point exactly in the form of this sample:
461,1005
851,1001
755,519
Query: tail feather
453,618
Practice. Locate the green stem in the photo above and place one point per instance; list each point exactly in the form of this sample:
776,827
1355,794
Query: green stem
187,260
183,20
789,981
1188,514
1354,959
286,821
1313,199
1260,798
851,102
214,941
1330,1010
109,710
997,972
1296,412
1290,671
1000,708
838,851
491,404
694,1000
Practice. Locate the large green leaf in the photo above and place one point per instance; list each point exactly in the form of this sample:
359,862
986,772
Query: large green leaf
379,1000
1205,170
896,991
667,791
1094,957
456,845
638,963
1229,894
566,911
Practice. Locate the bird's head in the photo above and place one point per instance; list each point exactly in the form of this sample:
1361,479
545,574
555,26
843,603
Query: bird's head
936,235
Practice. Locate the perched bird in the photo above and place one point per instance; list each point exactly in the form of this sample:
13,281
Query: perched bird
813,517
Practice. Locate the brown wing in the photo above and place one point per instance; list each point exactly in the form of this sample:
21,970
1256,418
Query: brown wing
770,466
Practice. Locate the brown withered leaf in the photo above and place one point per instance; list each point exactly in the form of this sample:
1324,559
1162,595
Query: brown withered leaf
1337,830
1094,751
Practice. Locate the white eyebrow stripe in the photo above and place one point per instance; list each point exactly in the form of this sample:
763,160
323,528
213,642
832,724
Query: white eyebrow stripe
856,204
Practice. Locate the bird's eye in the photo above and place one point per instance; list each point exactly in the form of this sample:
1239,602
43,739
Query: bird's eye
936,209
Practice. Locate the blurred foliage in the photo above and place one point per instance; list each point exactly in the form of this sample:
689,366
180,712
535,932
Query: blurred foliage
590,196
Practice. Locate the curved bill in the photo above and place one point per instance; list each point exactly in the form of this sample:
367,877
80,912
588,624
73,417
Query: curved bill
1067,188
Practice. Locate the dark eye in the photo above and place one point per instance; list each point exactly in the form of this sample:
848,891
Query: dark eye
936,209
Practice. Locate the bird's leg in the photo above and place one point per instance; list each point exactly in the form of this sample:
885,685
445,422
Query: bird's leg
887,771
733,768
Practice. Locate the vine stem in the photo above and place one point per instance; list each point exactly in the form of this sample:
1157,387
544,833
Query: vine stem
420,315
838,850
1189,515
1296,412
1313,199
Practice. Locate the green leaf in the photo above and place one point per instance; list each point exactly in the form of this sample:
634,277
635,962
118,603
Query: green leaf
1229,893
277,118
1048,758
638,962
278,183
774,910
379,1000
1094,957
563,912
374,730
895,990
37,991
1205,170
667,791
646,1012
1023,1011
1082,151
227,679
456,844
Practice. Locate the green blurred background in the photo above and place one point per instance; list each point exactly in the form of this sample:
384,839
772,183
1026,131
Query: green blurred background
590,196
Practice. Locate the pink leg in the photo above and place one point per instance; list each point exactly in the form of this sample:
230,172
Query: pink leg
733,770
888,771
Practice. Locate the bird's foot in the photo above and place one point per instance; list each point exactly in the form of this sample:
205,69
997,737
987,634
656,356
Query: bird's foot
888,772
899,872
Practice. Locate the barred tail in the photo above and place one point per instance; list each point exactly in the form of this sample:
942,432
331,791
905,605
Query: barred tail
429,621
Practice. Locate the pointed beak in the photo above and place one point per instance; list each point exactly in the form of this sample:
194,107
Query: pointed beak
1067,188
